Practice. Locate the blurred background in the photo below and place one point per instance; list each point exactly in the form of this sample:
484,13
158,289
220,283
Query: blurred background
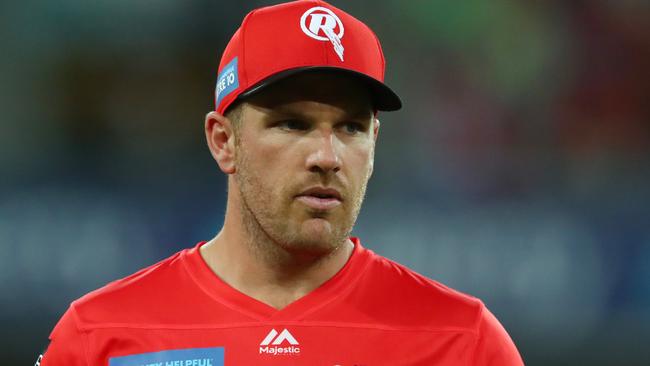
517,170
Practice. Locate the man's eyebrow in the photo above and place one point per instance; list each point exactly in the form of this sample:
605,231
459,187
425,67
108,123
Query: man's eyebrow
285,112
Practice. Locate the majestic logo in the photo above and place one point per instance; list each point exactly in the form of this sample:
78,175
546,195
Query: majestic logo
273,343
322,24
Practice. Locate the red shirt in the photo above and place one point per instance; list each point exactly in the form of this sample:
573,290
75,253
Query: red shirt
372,312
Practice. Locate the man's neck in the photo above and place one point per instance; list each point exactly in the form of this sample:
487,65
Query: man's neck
276,280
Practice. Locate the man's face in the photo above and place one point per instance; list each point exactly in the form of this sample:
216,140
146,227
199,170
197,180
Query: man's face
304,154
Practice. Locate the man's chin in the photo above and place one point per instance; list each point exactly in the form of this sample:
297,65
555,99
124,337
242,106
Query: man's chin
316,237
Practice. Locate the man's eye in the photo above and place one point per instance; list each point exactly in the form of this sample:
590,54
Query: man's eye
293,124
353,127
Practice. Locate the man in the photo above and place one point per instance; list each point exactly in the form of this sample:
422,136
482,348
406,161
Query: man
295,127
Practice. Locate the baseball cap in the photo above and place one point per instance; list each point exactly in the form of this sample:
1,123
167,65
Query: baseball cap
278,41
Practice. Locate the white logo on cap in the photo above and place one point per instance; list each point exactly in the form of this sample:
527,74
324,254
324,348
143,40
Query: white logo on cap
323,19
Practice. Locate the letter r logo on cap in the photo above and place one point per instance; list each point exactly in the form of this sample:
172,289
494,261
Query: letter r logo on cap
323,21
320,19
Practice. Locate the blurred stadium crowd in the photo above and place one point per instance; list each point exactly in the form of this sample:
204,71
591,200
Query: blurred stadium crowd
517,171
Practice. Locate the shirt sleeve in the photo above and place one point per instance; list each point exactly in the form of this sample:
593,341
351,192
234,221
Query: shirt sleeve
66,346
494,346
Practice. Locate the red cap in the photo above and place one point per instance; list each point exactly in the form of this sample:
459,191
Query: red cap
277,41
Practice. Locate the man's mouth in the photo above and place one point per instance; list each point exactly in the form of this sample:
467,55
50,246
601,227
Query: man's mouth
320,198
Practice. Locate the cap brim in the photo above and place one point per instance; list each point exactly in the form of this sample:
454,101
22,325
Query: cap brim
383,97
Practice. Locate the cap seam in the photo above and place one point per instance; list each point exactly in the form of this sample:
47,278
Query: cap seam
323,45
243,47
381,53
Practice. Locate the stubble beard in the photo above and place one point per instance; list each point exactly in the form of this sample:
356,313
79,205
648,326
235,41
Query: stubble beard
272,236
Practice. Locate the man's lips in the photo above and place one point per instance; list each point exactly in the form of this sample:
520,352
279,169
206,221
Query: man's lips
320,198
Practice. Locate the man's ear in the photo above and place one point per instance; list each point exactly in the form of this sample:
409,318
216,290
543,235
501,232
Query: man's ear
375,133
375,129
221,141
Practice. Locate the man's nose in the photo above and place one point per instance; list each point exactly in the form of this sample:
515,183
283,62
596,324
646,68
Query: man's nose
324,155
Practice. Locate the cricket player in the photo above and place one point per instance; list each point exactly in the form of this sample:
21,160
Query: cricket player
294,129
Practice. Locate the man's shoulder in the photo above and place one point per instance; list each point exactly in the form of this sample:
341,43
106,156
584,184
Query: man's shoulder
126,300
411,298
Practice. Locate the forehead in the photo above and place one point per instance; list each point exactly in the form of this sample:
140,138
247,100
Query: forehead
343,92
